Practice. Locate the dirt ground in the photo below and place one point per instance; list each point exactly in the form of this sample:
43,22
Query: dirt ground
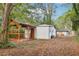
53,47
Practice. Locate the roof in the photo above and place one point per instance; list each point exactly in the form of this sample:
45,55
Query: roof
63,30
26,25
45,25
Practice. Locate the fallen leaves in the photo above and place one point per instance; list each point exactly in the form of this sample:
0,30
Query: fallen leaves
56,47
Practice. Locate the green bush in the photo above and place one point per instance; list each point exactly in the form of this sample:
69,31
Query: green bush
9,44
12,36
21,31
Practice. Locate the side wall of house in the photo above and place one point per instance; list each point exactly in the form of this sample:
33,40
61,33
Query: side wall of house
42,32
27,34
52,31
62,34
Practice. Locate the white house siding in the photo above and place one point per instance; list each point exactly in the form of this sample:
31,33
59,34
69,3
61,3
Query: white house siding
66,34
45,31
62,34
52,31
42,33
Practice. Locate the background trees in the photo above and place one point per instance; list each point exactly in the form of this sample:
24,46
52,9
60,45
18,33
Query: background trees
44,13
70,19
76,21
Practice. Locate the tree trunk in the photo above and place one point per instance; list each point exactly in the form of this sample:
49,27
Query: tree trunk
49,15
6,13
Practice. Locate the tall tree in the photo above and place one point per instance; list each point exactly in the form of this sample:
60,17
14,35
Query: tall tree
66,19
76,20
6,13
49,13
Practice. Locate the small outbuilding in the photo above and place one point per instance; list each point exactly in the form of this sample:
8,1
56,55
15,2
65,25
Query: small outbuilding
63,33
45,31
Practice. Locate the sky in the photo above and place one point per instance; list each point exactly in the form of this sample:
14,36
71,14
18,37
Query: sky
61,9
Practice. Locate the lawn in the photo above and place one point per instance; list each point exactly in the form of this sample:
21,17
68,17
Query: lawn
53,47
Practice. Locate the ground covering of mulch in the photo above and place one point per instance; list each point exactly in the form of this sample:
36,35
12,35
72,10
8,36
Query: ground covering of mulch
52,47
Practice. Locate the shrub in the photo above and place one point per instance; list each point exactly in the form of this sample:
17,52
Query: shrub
12,36
21,31
9,44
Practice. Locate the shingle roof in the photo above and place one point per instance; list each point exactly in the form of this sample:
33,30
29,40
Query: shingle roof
27,25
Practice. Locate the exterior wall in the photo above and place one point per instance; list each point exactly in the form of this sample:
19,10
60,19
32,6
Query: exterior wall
62,34
45,32
42,33
32,34
66,34
72,33
52,32
27,34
